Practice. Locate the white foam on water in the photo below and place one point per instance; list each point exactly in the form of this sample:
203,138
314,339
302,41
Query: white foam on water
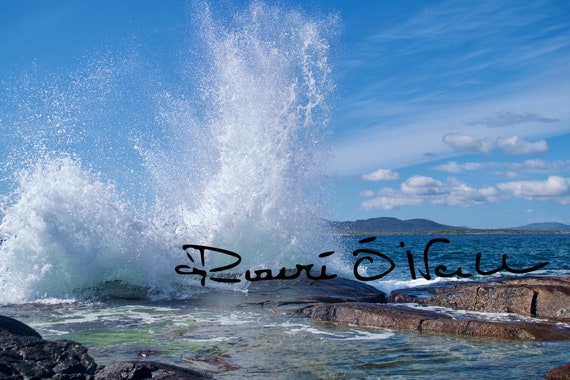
369,335
350,334
236,165
480,315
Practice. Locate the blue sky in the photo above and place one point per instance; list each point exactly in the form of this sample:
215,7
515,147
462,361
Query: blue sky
459,112
453,111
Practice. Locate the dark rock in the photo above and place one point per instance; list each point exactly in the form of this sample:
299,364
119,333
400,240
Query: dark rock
403,317
25,355
559,373
139,370
35,358
12,326
305,291
540,297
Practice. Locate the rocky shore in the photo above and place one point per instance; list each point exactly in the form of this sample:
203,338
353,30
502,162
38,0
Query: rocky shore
24,354
532,308
528,308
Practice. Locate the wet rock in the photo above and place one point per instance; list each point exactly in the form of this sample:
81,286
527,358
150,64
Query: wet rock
139,370
32,357
304,291
15,327
25,355
539,297
559,373
404,317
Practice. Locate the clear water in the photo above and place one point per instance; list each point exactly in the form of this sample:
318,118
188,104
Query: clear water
108,171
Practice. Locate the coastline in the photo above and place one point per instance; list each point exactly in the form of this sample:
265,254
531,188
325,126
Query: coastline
537,309
457,232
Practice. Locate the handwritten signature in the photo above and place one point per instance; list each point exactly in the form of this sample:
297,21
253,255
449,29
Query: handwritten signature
366,255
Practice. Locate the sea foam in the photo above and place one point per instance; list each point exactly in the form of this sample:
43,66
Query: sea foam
235,162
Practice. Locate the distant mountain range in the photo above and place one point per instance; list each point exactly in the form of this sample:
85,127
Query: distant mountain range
394,225
543,227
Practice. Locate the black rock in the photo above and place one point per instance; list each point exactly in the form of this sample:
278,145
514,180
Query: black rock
30,357
15,327
25,355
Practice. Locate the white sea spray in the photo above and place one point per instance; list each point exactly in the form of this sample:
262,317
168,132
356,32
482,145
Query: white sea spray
99,207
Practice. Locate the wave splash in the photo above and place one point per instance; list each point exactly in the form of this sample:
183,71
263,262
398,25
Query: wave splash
236,164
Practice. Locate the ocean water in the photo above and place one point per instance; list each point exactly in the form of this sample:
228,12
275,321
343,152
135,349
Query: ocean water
108,172
227,331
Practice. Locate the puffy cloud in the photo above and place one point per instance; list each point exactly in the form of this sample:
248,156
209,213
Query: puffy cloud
381,175
554,188
516,145
541,165
421,185
419,190
454,167
467,144
462,143
388,199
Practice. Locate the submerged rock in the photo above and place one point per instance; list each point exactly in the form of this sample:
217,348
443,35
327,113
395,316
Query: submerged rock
139,370
303,291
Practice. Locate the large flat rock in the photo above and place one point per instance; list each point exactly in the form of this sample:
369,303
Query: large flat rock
404,317
539,297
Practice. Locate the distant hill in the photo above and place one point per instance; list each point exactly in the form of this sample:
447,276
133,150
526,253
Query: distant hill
395,225
549,226
385,224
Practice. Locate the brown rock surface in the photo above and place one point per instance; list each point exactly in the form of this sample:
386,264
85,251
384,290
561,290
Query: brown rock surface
540,297
403,317
559,373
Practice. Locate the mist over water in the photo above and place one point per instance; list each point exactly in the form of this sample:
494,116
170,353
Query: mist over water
109,172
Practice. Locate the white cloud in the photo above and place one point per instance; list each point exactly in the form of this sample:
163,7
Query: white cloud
389,199
420,190
517,145
381,175
510,174
517,85
554,188
463,143
515,169
512,169
421,185
541,165
454,167
467,144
